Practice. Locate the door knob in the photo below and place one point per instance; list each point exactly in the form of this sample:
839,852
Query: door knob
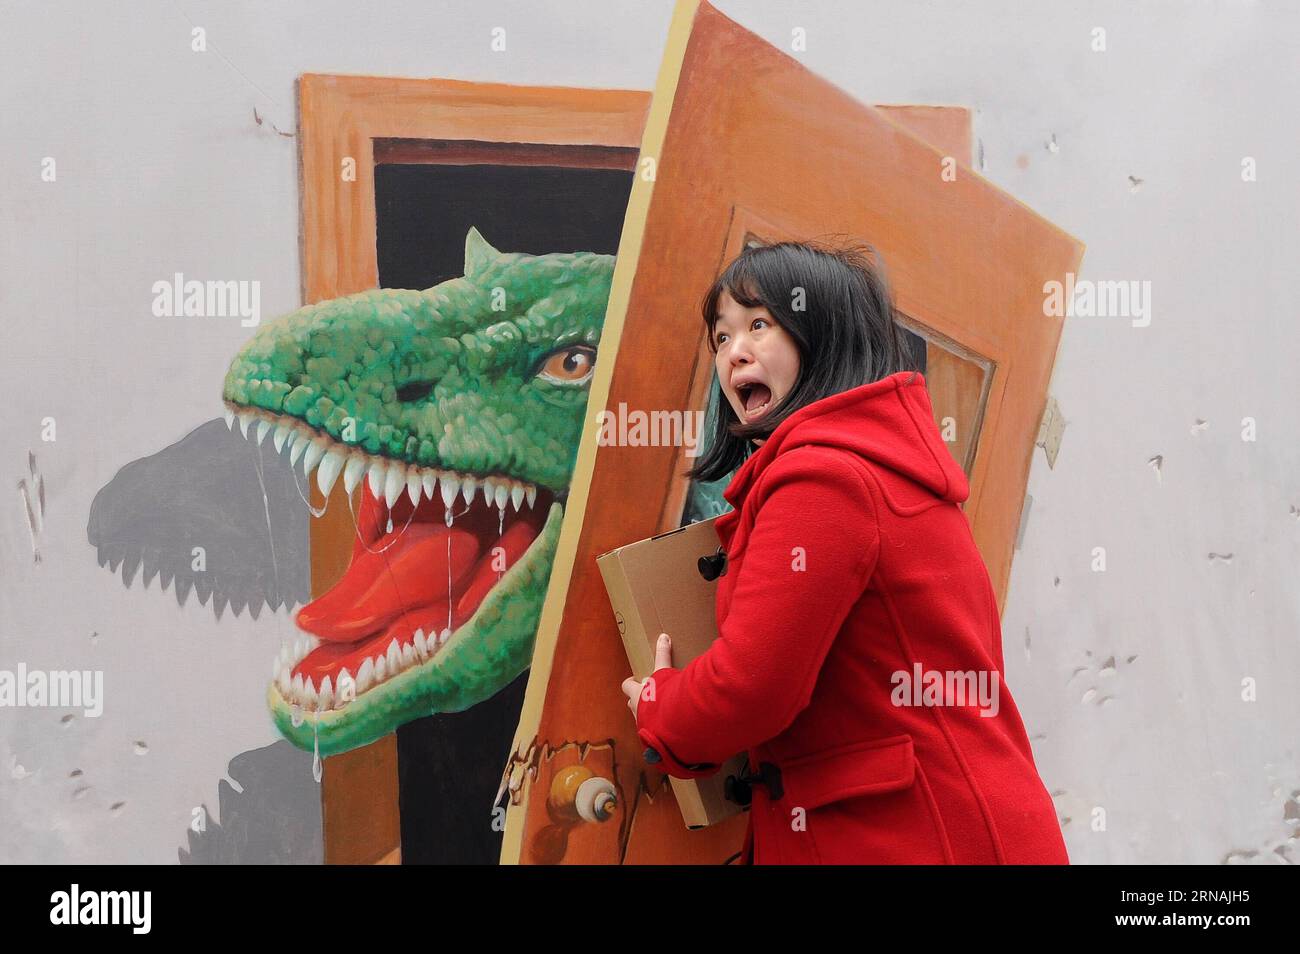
578,793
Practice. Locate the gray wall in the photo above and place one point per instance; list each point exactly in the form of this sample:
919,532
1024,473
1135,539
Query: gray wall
161,168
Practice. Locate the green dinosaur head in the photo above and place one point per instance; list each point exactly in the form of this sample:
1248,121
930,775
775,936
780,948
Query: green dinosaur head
452,417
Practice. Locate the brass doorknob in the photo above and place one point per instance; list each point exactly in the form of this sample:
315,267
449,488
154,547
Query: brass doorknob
578,793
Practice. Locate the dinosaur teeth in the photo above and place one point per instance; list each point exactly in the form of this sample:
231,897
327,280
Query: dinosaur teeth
450,490
352,471
300,442
312,456
331,466
395,659
303,645
394,485
329,459
376,478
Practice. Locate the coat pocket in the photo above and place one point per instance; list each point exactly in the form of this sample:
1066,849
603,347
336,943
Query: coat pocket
845,771
862,803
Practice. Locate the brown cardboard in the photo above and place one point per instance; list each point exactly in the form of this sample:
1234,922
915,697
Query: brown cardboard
655,587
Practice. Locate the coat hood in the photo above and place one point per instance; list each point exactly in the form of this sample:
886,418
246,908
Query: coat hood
888,422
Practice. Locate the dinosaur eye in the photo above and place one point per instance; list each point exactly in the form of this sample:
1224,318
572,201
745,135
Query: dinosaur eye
414,391
569,366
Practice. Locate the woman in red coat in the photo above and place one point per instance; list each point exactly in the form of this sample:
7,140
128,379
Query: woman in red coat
859,657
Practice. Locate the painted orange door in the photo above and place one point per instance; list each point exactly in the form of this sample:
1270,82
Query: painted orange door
744,144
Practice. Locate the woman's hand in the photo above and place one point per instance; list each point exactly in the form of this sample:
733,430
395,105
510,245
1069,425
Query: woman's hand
663,657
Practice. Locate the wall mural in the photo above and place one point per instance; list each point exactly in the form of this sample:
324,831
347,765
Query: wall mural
451,417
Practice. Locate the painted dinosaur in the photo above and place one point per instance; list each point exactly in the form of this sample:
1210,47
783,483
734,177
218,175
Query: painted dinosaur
453,414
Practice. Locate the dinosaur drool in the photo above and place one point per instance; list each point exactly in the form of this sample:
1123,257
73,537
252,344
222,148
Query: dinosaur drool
451,417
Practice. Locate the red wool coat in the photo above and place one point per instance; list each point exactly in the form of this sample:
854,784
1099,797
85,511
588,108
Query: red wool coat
852,584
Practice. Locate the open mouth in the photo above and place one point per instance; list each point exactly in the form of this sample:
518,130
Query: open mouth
429,547
756,398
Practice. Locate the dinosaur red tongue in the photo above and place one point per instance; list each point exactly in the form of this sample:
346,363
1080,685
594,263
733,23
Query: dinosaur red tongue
398,571
408,577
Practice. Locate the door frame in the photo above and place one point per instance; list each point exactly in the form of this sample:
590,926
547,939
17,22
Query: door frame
370,120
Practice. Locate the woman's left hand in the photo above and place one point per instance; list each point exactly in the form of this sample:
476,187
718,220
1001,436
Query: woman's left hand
663,657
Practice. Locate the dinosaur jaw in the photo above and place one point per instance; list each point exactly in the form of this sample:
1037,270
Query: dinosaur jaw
419,571
483,654
435,552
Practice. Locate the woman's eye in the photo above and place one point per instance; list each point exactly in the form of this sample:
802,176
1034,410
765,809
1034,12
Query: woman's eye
569,366
757,320
721,338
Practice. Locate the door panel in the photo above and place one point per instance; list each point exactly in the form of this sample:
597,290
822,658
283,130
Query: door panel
775,152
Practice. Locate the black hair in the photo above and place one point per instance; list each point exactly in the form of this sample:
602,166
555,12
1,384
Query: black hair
845,332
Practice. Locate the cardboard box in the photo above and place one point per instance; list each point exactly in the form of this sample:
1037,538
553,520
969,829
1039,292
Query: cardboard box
655,587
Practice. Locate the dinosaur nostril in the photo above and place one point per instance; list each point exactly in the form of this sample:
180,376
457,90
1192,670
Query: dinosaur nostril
414,391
